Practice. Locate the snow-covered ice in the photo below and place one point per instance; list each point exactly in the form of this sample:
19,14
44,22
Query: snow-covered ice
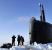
33,47
18,48
4,49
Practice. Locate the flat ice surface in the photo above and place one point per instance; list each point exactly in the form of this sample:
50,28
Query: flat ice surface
4,49
31,47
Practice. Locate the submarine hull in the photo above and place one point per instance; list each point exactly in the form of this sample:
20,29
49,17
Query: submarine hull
41,32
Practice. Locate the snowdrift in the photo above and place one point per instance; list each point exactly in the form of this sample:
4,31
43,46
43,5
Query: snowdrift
33,47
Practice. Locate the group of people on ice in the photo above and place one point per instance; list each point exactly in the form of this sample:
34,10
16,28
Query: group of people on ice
20,40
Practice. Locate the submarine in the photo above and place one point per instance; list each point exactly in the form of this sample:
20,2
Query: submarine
40,31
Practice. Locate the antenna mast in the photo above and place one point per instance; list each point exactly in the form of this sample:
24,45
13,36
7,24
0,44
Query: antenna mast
42,15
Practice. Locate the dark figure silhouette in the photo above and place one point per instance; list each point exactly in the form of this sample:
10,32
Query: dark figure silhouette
22,40
18,39
31,42
13,40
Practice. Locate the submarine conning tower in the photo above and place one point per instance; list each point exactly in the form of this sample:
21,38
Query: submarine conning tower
40,31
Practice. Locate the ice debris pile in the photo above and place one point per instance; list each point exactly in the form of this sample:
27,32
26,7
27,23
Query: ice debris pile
33,47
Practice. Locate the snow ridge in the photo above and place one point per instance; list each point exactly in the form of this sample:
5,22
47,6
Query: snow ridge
33,47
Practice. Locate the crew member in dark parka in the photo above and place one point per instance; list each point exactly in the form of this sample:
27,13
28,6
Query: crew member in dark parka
13,40
22,40
18,39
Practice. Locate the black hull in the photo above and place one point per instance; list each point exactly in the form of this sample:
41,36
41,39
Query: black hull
41,32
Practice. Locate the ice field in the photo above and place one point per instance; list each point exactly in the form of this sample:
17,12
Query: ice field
31,47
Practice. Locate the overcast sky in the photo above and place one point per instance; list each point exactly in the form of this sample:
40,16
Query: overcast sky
15,16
